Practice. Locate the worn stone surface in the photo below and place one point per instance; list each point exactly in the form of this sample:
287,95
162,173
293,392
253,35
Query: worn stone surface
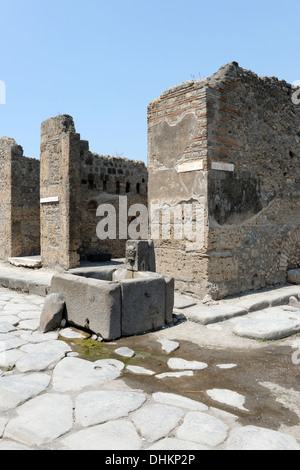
203,429
211,149
100,300
155,421
98,407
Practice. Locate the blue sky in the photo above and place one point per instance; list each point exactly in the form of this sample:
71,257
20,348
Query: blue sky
104,61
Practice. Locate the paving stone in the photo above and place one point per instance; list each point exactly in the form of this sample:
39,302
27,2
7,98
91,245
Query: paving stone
8,341
41,420
73,333
156,421
15,389
139,370
36,337
6,327
203,429
213,314
273,323
125,352
176,444
73,373
9,358
228,397
182,301
10,445
182,364
3,422
31,324
174,375
101,406
115,435
256,438
178,400
169,346
226,366
42,356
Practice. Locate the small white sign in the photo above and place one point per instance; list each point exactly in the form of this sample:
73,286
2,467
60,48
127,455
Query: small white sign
190,166
222,166
45,200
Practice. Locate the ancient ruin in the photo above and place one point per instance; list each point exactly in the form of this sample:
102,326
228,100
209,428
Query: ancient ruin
230,146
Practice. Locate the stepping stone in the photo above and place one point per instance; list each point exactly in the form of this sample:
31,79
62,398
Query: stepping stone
41,420
16,389
101,406
178,400
228,397
125,352
139,370
156,421
203,429
182,364
73,373
226,366
169,346
115,435
270,324
256,438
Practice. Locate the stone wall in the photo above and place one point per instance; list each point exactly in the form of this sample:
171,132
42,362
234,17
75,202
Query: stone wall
74,182
19,201
230,142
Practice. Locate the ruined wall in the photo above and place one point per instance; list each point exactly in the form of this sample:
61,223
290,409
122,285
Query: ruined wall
19,201
60,156
253,206
103,179
74,182
247,131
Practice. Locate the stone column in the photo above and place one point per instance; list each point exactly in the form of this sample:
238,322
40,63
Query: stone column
60,160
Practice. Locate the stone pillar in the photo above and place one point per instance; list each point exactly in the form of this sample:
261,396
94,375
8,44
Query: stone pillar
60,160
10,216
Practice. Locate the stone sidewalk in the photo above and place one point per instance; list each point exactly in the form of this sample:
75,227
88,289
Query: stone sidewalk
51,398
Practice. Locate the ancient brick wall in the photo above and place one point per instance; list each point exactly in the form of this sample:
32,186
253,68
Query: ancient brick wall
74,182
19,201
230,142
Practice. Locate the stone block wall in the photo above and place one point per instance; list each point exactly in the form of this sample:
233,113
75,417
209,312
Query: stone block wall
74,182
19,201
237,134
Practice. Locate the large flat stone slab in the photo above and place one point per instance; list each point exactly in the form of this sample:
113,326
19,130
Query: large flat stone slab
101,406
41,420
203,429
115,435
73,373
214,313
16,389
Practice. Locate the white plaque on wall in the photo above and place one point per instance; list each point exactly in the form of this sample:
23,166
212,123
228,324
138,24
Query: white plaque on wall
190,166
222,166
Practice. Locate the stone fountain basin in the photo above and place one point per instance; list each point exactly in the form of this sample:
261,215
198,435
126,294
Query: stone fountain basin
115,302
